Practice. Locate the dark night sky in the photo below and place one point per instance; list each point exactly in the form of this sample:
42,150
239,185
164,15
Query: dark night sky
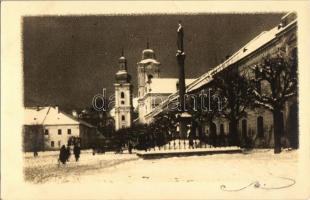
69,59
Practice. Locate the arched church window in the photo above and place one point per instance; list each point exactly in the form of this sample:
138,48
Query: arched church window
149,77
122,95
122,102
222,132
123,117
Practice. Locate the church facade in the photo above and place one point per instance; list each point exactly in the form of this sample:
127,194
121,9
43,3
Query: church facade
152,89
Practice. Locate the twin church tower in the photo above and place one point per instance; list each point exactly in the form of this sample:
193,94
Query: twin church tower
148,68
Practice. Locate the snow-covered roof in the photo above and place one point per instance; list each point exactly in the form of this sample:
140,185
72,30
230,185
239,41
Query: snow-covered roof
165,85
256,43
121,72
49,116
149,60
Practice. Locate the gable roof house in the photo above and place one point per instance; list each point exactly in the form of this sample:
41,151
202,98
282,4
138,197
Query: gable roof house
48,128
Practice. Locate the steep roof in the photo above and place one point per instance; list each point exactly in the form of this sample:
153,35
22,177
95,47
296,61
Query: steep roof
49,116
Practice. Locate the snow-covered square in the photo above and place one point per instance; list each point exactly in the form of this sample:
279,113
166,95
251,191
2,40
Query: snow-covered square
221,169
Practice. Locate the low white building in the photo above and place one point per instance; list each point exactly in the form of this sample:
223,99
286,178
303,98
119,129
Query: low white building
48,128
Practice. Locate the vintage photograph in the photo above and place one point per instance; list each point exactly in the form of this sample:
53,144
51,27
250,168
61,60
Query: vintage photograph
193,99
104,91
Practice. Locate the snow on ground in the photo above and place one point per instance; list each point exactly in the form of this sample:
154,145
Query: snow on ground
46,168
260,165
258,174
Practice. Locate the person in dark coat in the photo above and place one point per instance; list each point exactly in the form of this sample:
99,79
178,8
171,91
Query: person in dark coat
77,152
35,152
129,147
63,154
68,153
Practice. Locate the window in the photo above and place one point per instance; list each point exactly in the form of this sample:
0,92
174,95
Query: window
222,129
154,105
122,95
52,143
122,102
123,117
260,126
150,76
59,143
69,131
46,132
59,131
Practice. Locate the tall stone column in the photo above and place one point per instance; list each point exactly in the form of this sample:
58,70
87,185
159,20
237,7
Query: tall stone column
181,59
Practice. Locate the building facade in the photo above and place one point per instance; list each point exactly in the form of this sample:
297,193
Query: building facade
48,128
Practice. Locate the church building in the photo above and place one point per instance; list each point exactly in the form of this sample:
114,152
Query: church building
152,89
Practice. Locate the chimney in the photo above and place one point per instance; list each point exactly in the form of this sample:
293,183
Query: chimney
57,109
74,114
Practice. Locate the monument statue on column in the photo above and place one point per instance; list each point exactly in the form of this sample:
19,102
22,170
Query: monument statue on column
180,59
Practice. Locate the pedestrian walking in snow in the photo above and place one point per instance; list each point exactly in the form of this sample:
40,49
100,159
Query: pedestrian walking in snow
35,152
77,152
68,153
190,138
129,147
63,154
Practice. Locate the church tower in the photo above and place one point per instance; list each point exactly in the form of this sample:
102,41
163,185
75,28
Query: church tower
123,96
148,68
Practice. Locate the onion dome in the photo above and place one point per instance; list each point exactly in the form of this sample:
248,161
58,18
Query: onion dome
122,75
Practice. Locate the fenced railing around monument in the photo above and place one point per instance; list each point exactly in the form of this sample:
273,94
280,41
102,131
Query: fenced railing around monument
184,144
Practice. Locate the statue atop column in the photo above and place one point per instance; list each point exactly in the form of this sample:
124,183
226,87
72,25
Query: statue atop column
180,59
180,33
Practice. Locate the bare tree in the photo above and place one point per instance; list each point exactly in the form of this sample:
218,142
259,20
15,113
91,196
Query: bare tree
278,75
236,96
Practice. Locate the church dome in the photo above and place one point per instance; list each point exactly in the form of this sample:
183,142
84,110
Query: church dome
148,54
122,76
122,58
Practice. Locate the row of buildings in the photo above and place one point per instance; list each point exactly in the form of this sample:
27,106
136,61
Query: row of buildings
155,93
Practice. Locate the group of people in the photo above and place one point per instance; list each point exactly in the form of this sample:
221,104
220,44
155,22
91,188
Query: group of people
65,153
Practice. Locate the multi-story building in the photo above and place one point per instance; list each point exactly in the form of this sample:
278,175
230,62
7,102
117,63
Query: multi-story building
48,128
